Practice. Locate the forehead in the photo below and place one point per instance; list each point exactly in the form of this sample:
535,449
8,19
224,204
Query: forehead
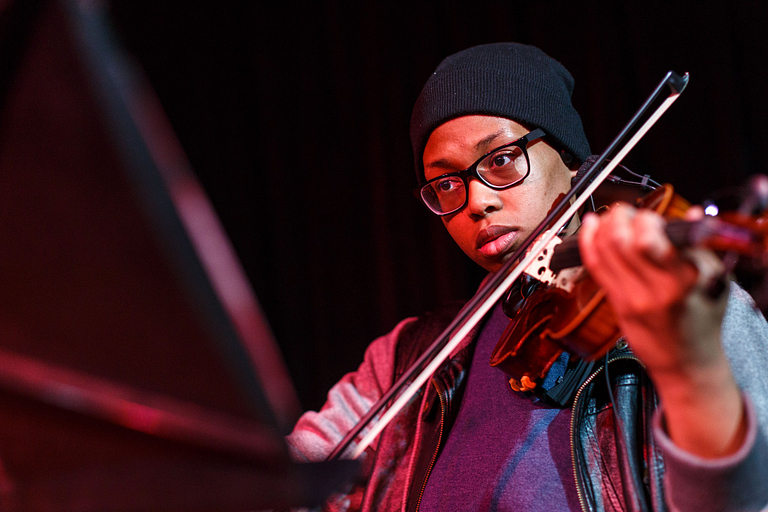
456,144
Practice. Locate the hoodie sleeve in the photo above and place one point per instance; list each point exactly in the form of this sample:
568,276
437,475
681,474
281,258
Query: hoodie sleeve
739,481
316,434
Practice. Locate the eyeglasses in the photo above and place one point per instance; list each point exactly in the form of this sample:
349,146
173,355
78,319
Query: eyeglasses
504,167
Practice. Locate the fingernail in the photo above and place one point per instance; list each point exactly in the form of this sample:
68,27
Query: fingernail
589,219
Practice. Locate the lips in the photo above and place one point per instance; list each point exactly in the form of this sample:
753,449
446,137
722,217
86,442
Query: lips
495,240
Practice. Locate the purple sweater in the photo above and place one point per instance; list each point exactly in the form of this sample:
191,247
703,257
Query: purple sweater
506,450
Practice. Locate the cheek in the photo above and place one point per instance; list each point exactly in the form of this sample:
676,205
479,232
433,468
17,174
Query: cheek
555,184
462,231
524,205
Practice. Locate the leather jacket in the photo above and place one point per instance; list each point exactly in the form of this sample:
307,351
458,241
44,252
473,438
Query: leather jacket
607,465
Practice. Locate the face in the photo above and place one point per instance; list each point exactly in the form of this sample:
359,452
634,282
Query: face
495,222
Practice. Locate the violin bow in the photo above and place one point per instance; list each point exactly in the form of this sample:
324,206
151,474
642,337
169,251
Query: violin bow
501,281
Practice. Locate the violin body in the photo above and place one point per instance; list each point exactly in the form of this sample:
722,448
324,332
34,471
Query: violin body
580,322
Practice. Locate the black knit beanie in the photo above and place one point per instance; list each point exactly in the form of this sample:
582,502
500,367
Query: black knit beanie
509,80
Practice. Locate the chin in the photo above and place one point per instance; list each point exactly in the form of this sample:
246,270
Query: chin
490,266
496,264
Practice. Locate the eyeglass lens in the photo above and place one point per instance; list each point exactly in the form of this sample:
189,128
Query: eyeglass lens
501,168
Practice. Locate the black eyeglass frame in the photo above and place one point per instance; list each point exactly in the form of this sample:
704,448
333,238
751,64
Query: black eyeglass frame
471,171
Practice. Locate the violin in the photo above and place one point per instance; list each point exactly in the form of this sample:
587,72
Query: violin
561,309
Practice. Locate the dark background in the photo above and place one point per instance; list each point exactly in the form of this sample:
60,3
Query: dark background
294,116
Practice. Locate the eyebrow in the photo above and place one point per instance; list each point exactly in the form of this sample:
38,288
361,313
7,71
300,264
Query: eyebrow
485,141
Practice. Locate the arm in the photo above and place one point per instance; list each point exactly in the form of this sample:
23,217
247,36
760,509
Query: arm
738,481
659,299
658,294
316,434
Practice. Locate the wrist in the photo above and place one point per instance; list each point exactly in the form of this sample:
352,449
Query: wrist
703,409
693,378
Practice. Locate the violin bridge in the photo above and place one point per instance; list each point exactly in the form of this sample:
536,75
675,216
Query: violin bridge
540,270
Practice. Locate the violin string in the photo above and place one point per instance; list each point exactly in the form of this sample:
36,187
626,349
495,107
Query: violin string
645,178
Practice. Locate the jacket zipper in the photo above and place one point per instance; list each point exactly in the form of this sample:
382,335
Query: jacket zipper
437,449
579,489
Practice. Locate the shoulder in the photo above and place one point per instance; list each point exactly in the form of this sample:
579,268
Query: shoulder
745,331
418,334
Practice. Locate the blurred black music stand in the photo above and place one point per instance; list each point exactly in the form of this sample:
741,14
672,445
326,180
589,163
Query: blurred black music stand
137,371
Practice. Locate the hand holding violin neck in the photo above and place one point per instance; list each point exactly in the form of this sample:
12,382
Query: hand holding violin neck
730,232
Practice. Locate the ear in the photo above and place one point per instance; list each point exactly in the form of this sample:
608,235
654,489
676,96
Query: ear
571,163
568,159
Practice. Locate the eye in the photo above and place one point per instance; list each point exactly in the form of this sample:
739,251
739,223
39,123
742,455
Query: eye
503,167
503,159
450,185
500,161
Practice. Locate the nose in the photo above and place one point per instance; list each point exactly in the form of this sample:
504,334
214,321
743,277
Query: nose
482,200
